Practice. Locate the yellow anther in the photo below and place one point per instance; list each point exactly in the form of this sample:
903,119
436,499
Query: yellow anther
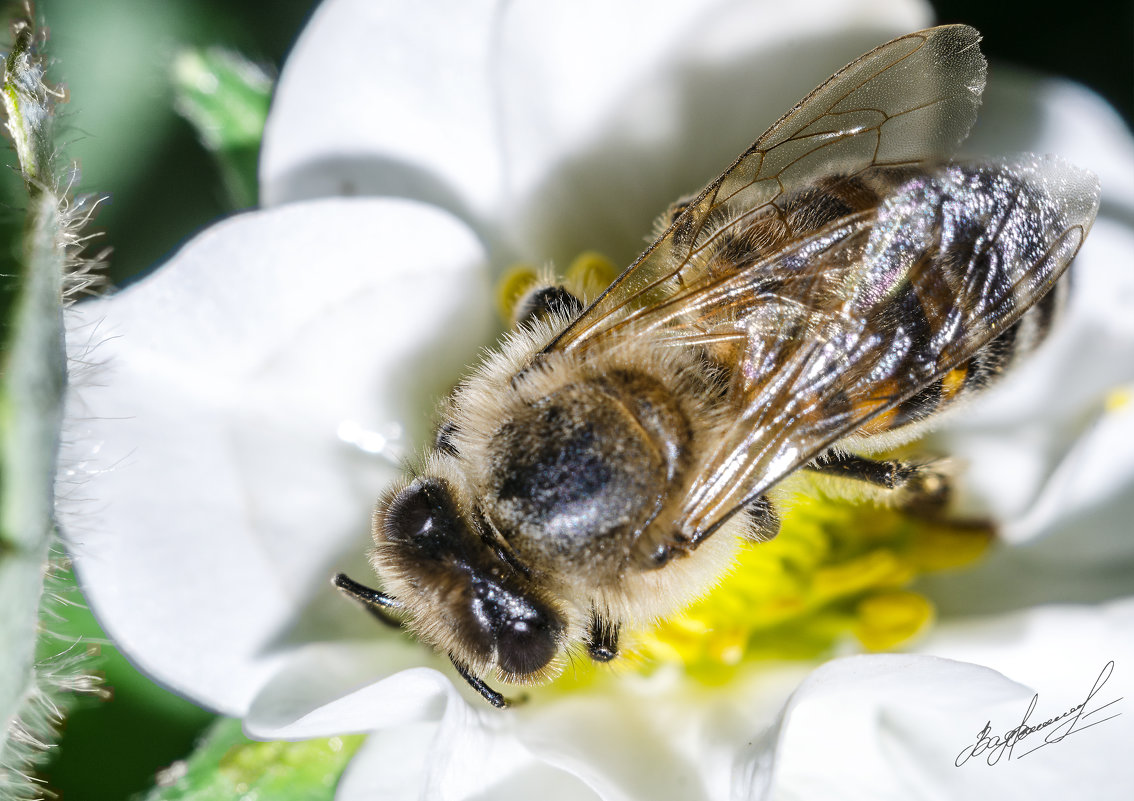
517,280
837,570
888,619
1118,399
589,274
938,546
879,568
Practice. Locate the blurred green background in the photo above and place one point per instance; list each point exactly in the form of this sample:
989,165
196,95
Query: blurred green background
113,55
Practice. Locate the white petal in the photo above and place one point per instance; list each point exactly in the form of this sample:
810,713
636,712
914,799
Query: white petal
606,123
627,740
655,738
895,727
391,765
377,98
477,754
417,762
335,688
1044,647
581,120
427,741
1023,112
209,432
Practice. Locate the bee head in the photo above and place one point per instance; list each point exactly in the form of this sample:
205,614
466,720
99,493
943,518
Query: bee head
462,595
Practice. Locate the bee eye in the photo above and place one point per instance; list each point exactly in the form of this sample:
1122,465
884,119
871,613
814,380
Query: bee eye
422,513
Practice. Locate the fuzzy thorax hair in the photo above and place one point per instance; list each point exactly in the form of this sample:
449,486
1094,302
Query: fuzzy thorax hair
509,381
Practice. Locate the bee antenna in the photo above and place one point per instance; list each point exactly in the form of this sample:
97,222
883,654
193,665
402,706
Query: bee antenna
376,603
489,694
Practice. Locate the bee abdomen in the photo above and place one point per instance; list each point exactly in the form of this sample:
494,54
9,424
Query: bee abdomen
975,238
979,371
796,215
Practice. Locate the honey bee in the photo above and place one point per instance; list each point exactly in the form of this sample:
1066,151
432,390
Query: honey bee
828,296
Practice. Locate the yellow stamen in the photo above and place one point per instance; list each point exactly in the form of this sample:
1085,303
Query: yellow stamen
1119,399
887,620
589,274
838,571
517,280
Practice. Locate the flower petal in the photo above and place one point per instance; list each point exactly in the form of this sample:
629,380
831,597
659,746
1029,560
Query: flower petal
1073,545
585,149
1044,646
376,100
1025,112
451,760
391,765
895,726
427,741
212,431
656,737
597,146
348,687
638,737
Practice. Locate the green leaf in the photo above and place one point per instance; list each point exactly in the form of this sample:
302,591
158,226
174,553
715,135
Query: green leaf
228,765
225,97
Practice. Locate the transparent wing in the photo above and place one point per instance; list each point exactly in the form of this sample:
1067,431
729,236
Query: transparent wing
909,101
868,312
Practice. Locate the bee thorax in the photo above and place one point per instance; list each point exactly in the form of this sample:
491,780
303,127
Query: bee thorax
578,474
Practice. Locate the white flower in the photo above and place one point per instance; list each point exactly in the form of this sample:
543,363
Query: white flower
250,399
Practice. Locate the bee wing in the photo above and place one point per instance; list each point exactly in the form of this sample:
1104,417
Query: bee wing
860,316
909,101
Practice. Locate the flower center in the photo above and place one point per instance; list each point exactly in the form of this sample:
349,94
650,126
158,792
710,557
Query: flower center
838,573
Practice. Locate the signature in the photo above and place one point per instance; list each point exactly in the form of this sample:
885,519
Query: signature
1072,721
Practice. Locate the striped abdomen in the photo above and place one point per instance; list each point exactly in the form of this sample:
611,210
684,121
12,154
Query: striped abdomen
980,371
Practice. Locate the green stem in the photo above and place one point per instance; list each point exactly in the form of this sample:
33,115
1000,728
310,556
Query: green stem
32,383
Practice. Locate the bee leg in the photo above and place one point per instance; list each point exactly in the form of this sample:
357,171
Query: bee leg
602,640
763,525
763,521
887,475
923,488
376,603
486,692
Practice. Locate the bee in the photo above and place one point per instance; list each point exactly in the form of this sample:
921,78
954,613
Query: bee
835,290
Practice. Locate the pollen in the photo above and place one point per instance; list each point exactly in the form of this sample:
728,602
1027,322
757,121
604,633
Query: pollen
838,577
